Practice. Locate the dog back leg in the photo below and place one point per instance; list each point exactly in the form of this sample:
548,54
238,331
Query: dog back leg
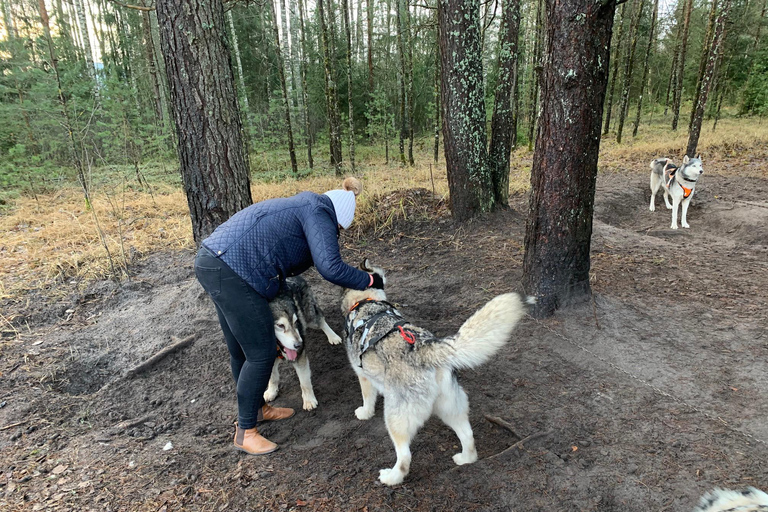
274,383
305,381
403,420
368,409
452,407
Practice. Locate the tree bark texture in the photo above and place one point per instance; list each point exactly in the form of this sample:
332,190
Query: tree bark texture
409,45
614,74
463,105
503,124
283,86
533,93
706,82
403,101
350,103
437,94
648,49
629,65
705,48
334,123
677,97
149,49
303,67
559,228
214,167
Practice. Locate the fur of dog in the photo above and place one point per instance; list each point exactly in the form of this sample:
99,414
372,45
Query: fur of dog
293,310
677,182
726,500
415,371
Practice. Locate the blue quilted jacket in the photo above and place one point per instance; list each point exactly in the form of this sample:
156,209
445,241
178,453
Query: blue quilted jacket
277,238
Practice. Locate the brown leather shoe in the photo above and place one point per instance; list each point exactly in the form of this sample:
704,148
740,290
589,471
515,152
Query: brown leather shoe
251,442
269,413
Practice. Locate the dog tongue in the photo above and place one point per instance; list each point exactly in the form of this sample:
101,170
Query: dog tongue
290,354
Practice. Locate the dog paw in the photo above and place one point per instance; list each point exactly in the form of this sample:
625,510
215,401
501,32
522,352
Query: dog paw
270,394
391,476
652,208
310,403
673,226
669,207
335,339
465,458
364,414
686,226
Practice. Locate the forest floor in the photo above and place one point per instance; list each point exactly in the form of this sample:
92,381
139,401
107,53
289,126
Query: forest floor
645,397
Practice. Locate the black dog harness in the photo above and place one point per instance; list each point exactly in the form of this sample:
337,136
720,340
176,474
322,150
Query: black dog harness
389,316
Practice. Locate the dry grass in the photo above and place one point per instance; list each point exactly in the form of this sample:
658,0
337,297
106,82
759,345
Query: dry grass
52,238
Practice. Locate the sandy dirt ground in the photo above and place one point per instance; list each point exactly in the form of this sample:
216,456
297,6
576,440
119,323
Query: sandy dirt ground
641,399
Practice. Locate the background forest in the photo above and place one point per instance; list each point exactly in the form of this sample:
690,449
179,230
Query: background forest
94,94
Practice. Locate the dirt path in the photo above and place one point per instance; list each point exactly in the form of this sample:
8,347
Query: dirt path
648,396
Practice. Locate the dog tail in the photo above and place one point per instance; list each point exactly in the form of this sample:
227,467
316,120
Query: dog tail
720,500
659,161
481,336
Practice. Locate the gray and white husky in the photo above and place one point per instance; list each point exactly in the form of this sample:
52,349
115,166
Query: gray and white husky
726,500
293,310
678,182
415,370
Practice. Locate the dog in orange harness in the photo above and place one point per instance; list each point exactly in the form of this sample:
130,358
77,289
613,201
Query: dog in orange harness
415,370
679,183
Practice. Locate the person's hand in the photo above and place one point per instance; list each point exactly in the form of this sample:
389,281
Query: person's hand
376,281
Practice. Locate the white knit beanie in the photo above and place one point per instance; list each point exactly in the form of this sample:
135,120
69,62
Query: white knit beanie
344,201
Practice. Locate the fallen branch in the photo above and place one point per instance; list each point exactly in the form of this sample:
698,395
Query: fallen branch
152,361
14,425
125,425
503,423
520,443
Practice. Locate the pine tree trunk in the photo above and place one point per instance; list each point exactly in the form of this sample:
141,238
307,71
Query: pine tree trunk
704,59
81,19
410,96
533,93
403,100
503,121
334,124
350,103
645,66
290,80
10,28
369,22
709,74
629,67
284,87
303,65
149,52
214,167
559,228
616,59
437,92
677,97
463,105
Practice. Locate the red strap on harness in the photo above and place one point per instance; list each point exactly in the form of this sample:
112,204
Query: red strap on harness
407,335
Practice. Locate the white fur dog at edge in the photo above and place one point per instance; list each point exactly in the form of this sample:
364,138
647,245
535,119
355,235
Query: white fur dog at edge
678,182
415,370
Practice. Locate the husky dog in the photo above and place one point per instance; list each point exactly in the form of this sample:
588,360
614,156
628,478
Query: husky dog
415,371
725,500
678,182
293,310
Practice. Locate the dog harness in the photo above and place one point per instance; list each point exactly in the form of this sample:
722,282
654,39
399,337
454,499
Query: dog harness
389,316
672,176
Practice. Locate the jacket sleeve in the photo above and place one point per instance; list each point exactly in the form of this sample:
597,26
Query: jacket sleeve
320,231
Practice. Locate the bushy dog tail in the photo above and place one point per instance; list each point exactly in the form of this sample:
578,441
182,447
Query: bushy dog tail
659,161
481,336
721,500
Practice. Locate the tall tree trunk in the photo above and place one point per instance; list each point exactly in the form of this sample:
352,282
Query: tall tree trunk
149,52
629,65
369,22
463,103
410,95
677,97
81,19
704,59
290,81
359,29
616,59
709,74
559,229
350,103
303,65
403,101
334,124
284,87
533,93
214,167
645,66
240,77
8,21
503,122
437,91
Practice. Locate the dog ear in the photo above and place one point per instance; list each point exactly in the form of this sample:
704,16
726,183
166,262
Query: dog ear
366,265
685,159
698,156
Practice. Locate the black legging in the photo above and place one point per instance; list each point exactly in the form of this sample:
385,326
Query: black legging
248,329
